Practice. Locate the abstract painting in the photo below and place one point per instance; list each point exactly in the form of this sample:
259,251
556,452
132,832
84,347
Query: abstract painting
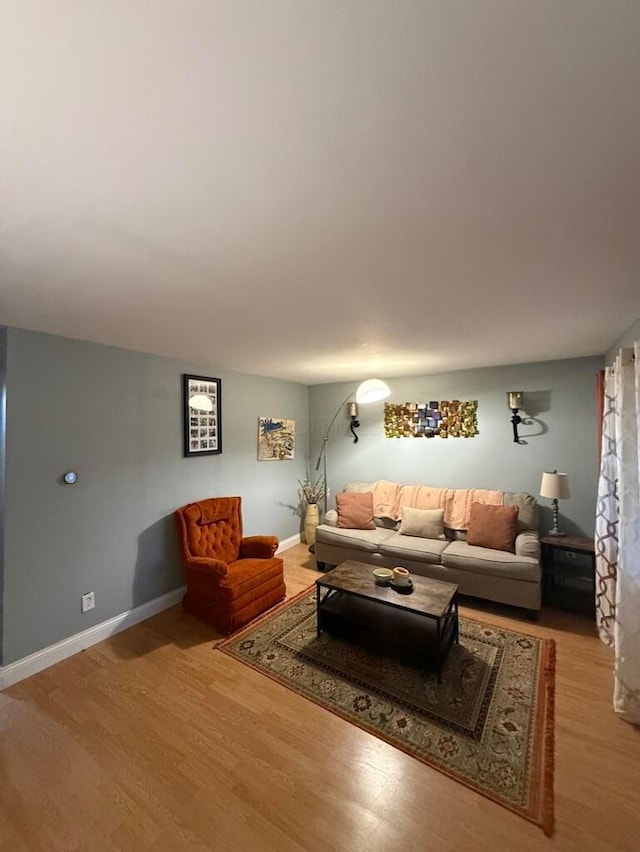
276,438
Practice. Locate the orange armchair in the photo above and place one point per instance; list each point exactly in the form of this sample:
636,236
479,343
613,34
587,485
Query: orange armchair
230,579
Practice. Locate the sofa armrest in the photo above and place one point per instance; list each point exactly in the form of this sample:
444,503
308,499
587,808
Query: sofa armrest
331,518
204,565
528,544
258,546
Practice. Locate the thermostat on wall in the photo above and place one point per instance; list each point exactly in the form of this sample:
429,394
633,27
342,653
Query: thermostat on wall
70,477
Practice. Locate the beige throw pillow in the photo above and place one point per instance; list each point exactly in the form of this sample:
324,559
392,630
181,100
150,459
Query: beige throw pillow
425,523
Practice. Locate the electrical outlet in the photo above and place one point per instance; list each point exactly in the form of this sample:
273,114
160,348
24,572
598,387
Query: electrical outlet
88,601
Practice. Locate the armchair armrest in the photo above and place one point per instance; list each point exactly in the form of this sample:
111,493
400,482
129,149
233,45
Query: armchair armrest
208,566
259,546
528,544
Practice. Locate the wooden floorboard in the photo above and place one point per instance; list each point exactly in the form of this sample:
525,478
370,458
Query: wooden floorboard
152,741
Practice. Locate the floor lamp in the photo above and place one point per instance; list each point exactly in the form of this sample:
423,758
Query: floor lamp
371,390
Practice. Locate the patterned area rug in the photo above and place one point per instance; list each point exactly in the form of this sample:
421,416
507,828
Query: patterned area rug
489,724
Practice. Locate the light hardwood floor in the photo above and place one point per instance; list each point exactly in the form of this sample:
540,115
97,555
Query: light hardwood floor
151,740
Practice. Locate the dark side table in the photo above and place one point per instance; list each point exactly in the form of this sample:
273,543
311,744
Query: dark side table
561,584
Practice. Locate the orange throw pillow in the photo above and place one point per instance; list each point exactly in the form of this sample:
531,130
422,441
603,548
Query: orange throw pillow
355,510
493,526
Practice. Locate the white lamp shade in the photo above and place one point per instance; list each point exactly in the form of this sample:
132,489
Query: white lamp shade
372,390
555,486
201,402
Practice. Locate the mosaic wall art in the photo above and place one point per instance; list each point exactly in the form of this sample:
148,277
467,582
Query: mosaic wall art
444,419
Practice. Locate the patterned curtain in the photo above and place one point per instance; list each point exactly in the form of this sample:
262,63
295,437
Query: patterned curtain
607,511
617,537
599,410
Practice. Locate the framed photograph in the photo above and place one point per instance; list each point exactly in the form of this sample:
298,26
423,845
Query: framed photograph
276,438
201,415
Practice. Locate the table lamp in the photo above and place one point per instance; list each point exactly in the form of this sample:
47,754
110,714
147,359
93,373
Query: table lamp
556,486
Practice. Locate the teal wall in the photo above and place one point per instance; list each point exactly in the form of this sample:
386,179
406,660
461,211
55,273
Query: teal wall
560,433
114,416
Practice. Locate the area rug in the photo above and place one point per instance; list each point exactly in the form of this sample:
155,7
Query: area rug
488,725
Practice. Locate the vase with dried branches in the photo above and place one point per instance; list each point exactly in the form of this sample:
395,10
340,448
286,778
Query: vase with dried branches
311,493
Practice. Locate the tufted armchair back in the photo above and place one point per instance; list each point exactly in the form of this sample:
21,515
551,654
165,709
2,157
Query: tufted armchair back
211,528
230,579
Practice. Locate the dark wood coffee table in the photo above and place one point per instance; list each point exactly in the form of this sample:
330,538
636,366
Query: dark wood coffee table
420,627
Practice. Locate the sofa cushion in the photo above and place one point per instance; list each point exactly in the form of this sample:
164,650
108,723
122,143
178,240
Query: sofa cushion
425,523
493,526
368,541
527,509
357,486
413,547
496,563
355,510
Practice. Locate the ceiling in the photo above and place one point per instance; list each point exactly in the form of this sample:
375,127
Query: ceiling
323,190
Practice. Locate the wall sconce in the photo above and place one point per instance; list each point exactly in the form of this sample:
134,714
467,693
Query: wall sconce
515,404
355,423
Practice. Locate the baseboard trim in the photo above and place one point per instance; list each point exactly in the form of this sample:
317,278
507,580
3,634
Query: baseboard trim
288,542
53,654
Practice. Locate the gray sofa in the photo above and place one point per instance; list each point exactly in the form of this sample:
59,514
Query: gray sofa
494,575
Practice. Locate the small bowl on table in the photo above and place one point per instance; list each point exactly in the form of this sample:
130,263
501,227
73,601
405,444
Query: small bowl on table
382,576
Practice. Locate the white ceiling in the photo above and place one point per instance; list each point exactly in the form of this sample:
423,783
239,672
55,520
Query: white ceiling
323,190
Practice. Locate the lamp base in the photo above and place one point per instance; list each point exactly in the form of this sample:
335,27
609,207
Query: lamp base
556,526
